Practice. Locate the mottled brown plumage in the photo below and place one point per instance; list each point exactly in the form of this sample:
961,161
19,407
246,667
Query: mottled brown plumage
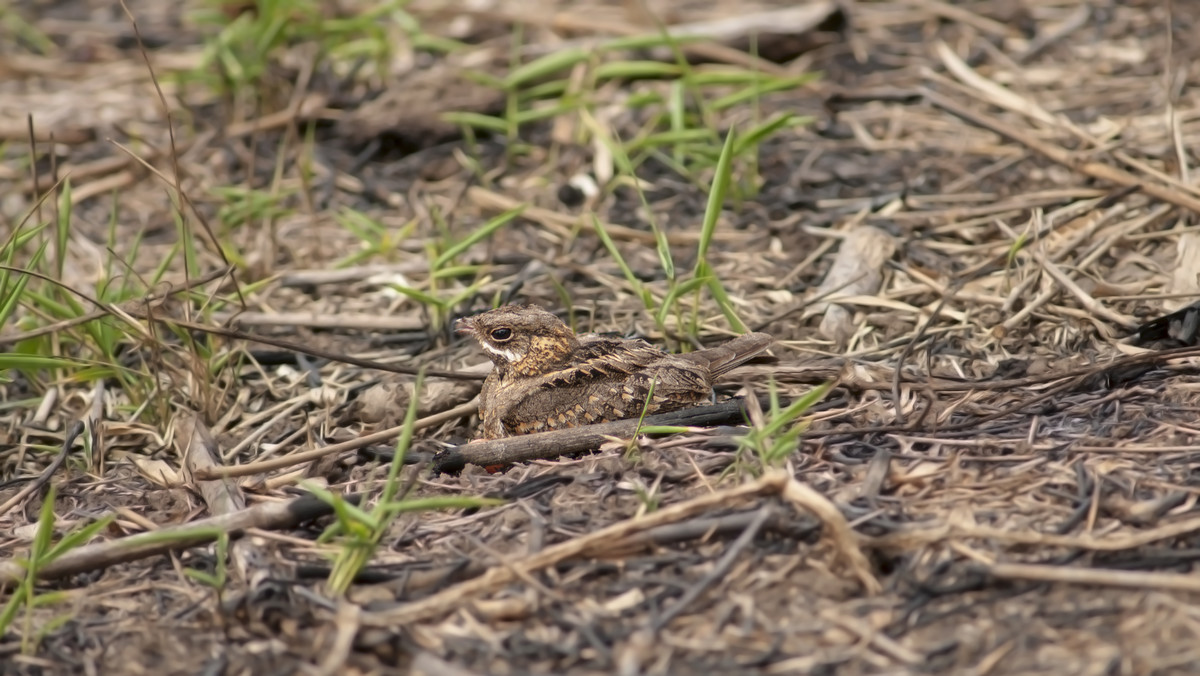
547,378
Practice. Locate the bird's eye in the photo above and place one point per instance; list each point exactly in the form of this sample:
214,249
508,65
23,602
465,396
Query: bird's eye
501,335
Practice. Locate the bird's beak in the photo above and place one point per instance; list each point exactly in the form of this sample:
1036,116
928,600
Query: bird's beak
465,326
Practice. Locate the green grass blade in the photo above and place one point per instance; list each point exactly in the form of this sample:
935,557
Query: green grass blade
759,133
497,125
482,233
633,280
545,66
15,360
435,503
663,429
796,409
419,296
716,198
636,70
392,486
77,538
63,231
754,92
717,289
675,293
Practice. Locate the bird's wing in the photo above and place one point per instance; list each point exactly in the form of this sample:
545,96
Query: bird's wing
601,357
721,359
609,380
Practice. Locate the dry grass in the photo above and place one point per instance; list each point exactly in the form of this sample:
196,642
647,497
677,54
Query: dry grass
998,484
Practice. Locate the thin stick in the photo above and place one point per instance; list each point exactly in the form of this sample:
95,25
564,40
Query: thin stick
1132,579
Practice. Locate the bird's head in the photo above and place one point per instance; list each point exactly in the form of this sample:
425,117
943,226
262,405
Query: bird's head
522,339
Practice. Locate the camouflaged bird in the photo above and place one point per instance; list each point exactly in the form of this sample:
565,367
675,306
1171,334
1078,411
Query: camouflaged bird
547,378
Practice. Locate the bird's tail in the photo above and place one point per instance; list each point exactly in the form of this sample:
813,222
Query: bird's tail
724,358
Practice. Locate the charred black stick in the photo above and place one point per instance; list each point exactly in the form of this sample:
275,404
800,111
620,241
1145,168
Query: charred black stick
547,445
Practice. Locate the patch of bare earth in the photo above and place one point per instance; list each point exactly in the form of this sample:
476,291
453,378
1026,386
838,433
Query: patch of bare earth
998,484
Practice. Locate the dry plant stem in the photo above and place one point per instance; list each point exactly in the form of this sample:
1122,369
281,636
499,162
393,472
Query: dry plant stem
835,368
1019,292
341,320
311,351
102,167
1003,97
346,622
200,451
320,276
1133,579
427,664
1120,232
868,633
898,373
597,542
265,422
268,515
76,428
789,21
548,445
318,453
845,540
1078,19
130,314
97,168
1085,299
11,130
708,526
1069,380
175,181
959,14
1097,170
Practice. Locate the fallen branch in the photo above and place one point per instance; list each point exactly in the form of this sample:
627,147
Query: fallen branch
548,445
268,515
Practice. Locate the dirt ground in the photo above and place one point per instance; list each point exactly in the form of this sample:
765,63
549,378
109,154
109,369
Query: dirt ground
999,482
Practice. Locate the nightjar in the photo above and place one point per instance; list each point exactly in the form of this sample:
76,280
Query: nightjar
547,378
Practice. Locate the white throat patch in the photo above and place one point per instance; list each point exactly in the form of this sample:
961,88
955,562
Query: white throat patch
508,355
